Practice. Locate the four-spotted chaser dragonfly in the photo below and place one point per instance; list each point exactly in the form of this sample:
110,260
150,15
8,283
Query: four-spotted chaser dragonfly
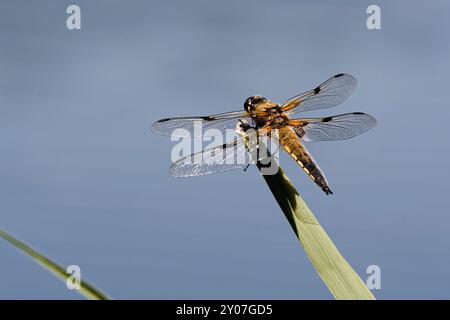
266,116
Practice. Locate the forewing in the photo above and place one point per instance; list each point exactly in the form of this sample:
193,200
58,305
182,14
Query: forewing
197,126
329,94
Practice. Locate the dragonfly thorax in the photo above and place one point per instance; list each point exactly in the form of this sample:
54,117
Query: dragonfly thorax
257,106
265,112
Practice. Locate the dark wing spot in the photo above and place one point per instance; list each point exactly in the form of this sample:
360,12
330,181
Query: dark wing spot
164,120
327,119
317,90
358,112
339,75
299,131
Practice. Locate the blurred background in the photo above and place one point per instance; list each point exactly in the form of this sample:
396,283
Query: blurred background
83,180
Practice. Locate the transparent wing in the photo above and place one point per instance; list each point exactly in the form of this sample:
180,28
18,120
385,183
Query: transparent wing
329,94
339,127
197,126
226,157
237,154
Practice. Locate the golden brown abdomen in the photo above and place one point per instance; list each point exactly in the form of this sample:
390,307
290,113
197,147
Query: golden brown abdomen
291,143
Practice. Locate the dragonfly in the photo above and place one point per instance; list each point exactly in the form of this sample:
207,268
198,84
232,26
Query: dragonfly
266,116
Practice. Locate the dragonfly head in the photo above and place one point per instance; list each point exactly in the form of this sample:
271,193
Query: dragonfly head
252,103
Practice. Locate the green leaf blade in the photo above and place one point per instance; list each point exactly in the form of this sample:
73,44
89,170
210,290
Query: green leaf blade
337,274
86,289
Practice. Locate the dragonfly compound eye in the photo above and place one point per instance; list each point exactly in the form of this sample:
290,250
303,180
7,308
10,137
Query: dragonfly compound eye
248,104
252,102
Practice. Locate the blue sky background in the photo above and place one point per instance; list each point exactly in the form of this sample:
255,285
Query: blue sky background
84,180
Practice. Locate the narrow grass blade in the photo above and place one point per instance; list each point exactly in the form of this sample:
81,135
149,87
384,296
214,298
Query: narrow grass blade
340,278
86,289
